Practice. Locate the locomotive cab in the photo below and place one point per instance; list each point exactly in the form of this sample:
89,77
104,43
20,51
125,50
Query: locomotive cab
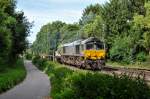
95,45
95,49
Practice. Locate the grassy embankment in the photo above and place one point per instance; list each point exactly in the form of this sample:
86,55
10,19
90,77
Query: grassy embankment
140,65
79,84
12,75
142,62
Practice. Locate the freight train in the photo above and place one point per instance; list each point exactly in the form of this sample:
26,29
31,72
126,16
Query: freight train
88,53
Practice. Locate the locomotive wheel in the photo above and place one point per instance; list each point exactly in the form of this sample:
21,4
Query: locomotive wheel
94,65
79,62
82,64
85,64
101,64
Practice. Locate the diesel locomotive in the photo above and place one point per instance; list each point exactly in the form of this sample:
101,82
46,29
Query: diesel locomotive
88,53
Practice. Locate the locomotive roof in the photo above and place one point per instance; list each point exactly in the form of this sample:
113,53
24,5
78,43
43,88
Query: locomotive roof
73,43
81,41
90,40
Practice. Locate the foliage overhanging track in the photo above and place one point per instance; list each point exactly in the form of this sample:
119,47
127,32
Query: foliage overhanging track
135,72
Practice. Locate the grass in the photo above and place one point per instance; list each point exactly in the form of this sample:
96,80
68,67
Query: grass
80,84
141,65
12,76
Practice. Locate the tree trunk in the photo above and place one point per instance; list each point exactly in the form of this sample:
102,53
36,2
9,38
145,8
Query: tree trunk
53,55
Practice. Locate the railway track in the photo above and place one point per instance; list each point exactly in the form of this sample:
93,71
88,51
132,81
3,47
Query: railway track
134,72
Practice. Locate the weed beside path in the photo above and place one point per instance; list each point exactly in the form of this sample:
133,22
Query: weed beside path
72,84
12,75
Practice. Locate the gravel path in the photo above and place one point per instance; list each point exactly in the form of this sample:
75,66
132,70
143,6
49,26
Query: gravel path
35,86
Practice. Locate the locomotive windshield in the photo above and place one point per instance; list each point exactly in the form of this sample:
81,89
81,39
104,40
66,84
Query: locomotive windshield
90,46
99,46
94,45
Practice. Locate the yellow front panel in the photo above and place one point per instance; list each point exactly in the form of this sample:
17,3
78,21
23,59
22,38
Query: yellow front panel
94,54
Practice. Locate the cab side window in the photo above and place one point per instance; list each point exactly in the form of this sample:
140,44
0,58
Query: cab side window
89,46
99,46
77,49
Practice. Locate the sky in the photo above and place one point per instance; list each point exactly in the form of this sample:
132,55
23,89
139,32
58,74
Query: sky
42,12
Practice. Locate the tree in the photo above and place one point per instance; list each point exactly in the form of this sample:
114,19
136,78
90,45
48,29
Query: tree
5,42
20,31
70,32
146,41
14,28
91,23
96,9
89,14
87,19
117,16
122,24
146,23
48,38
121,49
137,6
142,23
94,29
5,33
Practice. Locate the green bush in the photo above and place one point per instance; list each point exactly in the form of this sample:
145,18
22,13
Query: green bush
35,59
12,76
1,64
28,56
69,84
121,51
39,62
141,57
96,86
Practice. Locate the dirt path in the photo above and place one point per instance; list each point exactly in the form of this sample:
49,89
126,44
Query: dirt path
35,86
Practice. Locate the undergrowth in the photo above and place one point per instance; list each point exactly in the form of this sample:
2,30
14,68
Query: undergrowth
70,84
12,75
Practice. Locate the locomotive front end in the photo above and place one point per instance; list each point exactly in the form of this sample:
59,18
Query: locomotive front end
95,54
